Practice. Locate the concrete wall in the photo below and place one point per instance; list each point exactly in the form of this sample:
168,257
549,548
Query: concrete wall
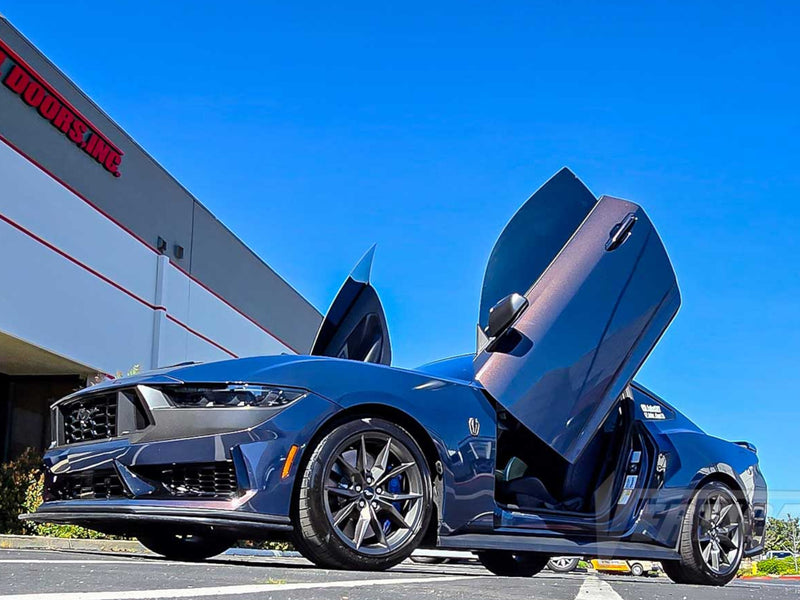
77,284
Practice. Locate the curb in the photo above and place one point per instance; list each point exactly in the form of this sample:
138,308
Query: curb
39,542
770,577
264,553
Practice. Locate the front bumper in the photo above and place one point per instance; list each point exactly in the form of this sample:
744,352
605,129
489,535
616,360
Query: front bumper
110,487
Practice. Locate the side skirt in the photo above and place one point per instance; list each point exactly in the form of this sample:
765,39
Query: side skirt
557,546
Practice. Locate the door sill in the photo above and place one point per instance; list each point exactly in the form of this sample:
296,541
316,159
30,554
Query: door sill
556,546
550,520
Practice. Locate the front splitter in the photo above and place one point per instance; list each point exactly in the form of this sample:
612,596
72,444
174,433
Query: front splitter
129,519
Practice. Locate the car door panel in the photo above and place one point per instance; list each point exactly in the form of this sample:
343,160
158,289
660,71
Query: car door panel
592,319
533,237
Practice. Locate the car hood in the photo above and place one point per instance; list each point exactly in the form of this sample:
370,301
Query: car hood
256,369
310,372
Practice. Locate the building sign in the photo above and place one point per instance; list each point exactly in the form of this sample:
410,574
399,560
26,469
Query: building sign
34,91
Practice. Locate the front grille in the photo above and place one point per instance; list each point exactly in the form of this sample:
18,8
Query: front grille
87,485
99,416
194,480
93,418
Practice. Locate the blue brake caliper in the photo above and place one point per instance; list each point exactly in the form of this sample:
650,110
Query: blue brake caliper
393,486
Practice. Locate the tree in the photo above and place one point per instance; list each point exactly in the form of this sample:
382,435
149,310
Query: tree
783,534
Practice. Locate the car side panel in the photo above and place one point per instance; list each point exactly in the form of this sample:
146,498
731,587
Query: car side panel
692,457
444,409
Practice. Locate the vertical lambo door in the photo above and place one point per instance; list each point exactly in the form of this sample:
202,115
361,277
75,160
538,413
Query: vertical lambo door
600,291
355,325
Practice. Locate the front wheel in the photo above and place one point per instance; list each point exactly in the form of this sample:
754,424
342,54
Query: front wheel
712,538
184,547
637,570
365,498
512,564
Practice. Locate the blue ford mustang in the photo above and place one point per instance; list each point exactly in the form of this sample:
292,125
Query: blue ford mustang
538,444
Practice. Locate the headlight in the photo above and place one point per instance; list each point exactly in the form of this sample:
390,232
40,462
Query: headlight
232,396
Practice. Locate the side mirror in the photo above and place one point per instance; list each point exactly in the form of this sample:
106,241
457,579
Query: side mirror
502,314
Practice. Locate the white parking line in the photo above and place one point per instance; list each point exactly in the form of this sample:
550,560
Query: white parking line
106,561
232,590
594,588
65,562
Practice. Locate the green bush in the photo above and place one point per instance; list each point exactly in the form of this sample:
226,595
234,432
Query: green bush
15,479
776,566
264,545
21,484
33,498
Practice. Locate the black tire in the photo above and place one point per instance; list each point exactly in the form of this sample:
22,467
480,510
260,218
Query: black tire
563,564
429,560
337,546
513,564
637,570
693,566
185,547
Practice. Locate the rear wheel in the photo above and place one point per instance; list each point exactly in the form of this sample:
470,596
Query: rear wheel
365,498
637,570
513,564
185,547
712,538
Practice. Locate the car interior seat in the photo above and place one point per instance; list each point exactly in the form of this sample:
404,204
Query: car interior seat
572,488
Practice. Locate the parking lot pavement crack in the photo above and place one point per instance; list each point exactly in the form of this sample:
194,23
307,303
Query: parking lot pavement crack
594,588
229,590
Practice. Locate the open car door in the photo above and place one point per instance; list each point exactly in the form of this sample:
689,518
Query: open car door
355,324
600,291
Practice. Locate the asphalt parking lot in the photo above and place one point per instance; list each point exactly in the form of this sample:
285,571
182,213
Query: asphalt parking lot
73,575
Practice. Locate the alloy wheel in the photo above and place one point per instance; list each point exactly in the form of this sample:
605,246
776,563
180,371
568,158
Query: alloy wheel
719,533
563,564
372,493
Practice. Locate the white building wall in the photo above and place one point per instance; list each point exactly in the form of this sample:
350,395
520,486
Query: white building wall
79,285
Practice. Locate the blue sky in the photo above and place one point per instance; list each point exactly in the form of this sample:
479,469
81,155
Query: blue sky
313,131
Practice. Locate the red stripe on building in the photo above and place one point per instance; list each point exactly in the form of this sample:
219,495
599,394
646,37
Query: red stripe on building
111,282
63,183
